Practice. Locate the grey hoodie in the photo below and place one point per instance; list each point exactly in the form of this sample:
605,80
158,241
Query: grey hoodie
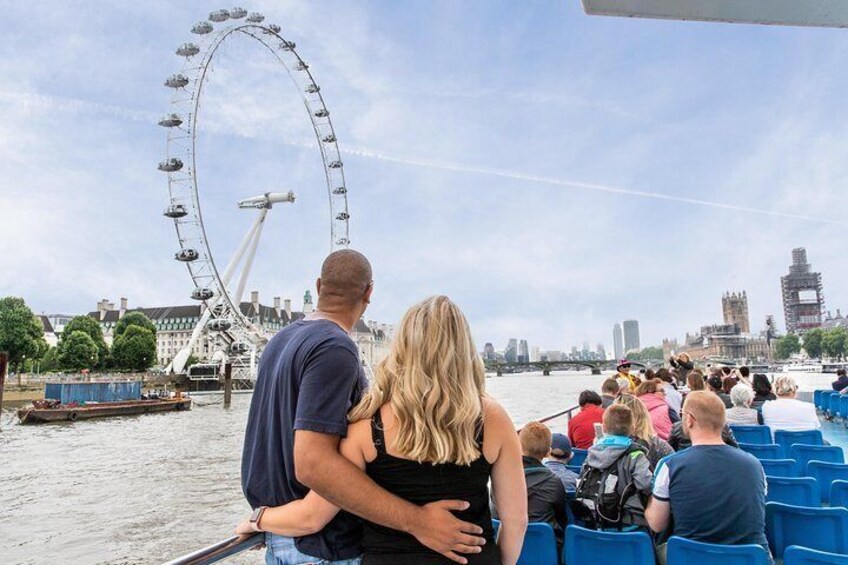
633,468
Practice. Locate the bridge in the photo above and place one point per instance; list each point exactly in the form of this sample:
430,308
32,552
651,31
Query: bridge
548,366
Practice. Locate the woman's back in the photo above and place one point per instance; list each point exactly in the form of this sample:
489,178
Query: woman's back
422,483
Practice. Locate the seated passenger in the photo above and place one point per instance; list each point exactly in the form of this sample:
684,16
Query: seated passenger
672,395
742,414
716,384
616,478
643,430
678,440
560,457
653,397
692,496
841,382
788,413
609,392
581,428
762,391
427,433
545,493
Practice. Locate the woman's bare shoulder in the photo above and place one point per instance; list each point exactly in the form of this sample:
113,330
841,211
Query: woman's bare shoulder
495,416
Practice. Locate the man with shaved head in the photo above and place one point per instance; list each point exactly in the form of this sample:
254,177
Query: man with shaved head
309,377
710,492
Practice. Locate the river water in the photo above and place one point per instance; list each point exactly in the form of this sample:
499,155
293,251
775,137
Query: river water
149,488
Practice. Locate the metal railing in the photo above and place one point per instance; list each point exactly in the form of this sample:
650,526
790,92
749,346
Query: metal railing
236,544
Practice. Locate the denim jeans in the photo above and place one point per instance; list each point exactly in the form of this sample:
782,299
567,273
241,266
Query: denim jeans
280,550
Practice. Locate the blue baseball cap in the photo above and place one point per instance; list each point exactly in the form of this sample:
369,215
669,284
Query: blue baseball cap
560,442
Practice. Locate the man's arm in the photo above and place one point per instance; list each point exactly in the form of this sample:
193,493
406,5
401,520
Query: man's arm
319,465
658,514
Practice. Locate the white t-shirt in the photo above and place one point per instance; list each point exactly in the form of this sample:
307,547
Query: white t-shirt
791,415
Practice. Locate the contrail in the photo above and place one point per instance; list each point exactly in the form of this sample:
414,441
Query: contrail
28,99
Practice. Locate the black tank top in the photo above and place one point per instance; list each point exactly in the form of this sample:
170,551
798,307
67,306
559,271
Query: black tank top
422,483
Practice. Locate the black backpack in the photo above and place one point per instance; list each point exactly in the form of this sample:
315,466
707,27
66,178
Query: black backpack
600,497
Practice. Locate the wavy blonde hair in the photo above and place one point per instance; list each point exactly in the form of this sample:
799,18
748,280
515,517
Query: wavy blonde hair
434,380
642,426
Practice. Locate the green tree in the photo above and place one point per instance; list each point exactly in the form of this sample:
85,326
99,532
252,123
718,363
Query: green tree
21,332
786,346
835,342
133,319
91,328
134,349
78,351
49,361
813,342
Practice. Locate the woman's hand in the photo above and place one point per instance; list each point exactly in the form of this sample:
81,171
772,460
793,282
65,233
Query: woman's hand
245,528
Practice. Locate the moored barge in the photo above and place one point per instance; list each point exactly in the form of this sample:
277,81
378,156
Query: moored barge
71,413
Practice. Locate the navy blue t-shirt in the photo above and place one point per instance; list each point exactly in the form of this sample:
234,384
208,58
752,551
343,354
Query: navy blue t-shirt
309,378
717,494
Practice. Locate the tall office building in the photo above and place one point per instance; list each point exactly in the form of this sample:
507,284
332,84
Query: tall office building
602,353
511,353
489,352
535,354
631,336
617,341
803,298
735,309
523,352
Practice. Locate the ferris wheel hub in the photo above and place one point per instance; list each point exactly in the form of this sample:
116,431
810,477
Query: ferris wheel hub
267,200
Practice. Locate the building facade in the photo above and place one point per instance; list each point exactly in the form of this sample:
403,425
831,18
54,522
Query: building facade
511,352
617,341
735,309
489,352
523,352
631,336
803,295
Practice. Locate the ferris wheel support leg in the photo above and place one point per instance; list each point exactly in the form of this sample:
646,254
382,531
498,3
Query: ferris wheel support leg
248,238
248,264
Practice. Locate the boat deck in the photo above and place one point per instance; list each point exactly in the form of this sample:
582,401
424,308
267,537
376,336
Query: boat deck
835,432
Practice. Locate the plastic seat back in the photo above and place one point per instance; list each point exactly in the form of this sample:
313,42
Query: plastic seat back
797,491
590,547
578,458
787,439
768,451
817,396
779,467
825,473
797,555
843,405
803,454
681,550
833,404
824,529
839,494
540,546
760,435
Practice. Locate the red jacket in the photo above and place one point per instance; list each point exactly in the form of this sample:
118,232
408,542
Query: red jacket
581,428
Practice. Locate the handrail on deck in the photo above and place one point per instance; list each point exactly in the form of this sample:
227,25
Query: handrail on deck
236,544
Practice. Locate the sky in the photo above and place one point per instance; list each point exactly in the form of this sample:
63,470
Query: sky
551,172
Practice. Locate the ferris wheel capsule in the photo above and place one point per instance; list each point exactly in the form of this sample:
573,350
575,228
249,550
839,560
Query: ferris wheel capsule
219,324
170,120
321,113
186,255
342,216
219,16
202,293
202,28
301,66
175,211
340,190
313,88
176,81
335,165
188,50
255,18
238,13
287,45
239,347
274,28
330,138
170,165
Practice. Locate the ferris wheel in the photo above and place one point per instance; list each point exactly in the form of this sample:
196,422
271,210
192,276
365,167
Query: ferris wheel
232,336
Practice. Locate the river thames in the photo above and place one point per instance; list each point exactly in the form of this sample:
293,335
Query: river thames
149,488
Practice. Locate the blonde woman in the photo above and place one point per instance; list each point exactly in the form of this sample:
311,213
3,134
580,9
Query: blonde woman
426,431
643,430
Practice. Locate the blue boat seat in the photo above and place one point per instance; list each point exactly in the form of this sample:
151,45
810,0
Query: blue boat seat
681,550
803,454
824,529
843,405
540,546
579,456
786,439
797,555
590,547
768,451
779,467
797,491
760,435
825,473
574,468
817,398
839,494
833,404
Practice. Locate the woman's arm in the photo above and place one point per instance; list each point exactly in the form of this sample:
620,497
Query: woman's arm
508,487
311,513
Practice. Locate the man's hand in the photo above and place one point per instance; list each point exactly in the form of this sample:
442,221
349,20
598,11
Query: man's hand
437,528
